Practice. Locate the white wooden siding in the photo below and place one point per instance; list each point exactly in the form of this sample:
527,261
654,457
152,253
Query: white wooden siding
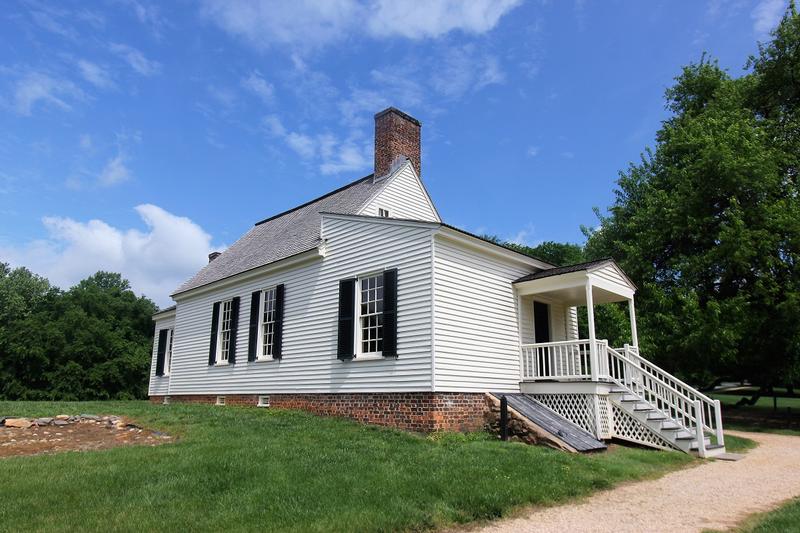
309,361
159,385
477,340
572,323
611,274
404,197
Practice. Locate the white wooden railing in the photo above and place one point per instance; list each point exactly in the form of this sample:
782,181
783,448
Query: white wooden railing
562,360
681,402
573,361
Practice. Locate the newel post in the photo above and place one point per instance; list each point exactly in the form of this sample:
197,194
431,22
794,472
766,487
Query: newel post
592,339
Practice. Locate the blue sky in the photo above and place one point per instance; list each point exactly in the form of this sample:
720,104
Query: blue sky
139,136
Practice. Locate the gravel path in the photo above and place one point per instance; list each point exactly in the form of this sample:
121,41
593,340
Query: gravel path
714,495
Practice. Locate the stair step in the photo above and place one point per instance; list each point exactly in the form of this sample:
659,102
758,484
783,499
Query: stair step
708,447
643,409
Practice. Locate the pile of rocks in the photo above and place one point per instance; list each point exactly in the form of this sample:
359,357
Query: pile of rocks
109,421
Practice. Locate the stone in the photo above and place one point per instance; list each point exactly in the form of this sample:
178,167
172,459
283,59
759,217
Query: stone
17,423
2,420
62,417
44,421
94,418
61,423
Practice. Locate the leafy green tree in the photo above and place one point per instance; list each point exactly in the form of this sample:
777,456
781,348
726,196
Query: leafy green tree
707,224
90,342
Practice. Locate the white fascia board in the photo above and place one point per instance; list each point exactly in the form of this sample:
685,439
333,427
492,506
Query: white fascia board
610,286
380,220
491,249
164,315
570,280
283,264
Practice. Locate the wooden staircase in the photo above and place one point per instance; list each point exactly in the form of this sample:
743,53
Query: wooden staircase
679,415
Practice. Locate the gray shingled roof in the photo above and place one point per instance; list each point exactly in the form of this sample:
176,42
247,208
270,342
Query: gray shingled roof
284,235
564,270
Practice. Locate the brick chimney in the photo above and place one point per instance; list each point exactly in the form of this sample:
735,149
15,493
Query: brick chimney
396,135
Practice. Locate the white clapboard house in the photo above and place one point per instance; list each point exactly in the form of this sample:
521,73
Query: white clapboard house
363,303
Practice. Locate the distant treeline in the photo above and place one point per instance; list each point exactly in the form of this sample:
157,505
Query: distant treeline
92,341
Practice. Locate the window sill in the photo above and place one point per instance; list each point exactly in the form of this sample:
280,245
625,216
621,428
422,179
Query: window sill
368,357
222,364
265,360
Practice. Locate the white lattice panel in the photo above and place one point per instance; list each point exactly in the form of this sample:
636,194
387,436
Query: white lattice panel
604,408
628,428
577,408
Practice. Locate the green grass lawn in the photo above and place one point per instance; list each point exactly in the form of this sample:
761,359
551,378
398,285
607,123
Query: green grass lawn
760,417
785,518
262,469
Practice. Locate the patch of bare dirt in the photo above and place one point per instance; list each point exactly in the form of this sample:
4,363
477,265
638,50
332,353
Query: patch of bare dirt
75,433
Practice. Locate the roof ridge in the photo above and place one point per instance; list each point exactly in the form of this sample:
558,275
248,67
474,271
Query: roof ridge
331,193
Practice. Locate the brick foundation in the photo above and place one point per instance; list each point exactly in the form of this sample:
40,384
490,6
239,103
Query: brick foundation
412,411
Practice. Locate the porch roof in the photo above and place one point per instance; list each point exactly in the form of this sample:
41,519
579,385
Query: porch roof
569,284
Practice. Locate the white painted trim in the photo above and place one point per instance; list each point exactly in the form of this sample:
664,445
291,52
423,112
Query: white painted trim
571,280
476,243
381,220
164,315
433,314
357,353
625,292
282,264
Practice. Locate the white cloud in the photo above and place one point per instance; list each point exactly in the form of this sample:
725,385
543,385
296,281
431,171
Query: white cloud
135,59
533,151
256,84
36,88
85,141
766,16
48,18
114,172
313,23
331,154
155,261
523,236
464,69
434,18
95,74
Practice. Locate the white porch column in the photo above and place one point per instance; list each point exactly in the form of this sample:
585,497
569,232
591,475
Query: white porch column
592,344
632,313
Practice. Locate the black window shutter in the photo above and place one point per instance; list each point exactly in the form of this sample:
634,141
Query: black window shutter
212,350
277,339
390,313
347,312
252,337
234,330
162,350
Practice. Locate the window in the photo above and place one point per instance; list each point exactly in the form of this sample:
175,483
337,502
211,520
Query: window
168,353
268,324
225,332
383,212
263,401
370,315
220,400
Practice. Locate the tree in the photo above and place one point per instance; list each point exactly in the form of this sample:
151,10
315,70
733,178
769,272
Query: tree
707,224
90,342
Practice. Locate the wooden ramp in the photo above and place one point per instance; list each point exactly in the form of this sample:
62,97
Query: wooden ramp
548,420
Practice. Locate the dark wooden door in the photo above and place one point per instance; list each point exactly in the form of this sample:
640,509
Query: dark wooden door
541,322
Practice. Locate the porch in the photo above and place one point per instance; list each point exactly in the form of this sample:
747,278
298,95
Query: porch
610,391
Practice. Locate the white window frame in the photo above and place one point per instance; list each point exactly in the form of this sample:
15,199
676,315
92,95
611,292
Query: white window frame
260,356
383,212
218,357
168,351
360,354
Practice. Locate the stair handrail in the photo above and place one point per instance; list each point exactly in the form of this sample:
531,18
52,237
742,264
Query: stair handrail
708,411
